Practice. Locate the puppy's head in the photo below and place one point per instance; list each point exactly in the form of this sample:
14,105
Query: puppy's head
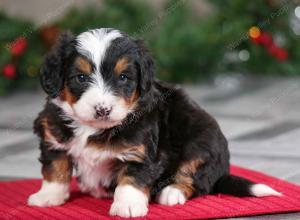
98,77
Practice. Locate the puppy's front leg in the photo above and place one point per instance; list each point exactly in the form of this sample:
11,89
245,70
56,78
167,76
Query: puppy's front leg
57,172
131,197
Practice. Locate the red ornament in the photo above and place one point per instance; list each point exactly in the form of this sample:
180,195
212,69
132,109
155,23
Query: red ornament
272,49
9,71
18,46
265,39
256,40
282,54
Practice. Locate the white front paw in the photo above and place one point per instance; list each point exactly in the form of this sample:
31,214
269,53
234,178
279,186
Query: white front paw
51,194
171,196
129,202
46,200
127,210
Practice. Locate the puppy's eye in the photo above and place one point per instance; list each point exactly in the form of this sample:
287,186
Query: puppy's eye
123,77
81,78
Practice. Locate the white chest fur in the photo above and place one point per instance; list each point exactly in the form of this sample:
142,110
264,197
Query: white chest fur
93,166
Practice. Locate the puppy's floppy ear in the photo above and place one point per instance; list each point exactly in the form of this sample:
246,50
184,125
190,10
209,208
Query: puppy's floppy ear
52,75
147,68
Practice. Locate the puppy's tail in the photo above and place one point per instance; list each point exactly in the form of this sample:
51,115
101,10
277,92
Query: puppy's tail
237,186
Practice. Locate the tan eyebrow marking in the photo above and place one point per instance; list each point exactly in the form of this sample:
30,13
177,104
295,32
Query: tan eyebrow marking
131,101
121,65
83,65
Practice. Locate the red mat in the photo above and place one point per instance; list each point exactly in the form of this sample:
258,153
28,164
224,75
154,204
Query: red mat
13,196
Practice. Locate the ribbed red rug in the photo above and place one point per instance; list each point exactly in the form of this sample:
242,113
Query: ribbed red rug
13,196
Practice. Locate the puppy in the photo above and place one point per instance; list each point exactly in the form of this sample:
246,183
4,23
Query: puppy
128,135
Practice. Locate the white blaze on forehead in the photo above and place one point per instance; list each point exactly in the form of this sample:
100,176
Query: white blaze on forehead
94,43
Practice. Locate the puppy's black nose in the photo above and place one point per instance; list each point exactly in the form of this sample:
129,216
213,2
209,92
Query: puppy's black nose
102,111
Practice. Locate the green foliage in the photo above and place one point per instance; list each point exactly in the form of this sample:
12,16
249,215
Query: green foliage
11,29
232,21
182,50
186,47
173,35
127,16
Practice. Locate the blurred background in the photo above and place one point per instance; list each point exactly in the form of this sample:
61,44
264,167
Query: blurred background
238,59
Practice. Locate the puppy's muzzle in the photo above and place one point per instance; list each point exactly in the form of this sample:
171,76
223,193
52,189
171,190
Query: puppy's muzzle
102,112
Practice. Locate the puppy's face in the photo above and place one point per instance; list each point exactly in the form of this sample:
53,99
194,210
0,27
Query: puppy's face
98,77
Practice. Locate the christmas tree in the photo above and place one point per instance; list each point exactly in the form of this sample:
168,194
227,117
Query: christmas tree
258,37
252,37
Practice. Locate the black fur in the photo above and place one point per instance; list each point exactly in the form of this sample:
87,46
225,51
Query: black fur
146,68
234,185
58,127
51,74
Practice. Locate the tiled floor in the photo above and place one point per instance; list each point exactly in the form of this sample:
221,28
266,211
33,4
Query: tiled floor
260,117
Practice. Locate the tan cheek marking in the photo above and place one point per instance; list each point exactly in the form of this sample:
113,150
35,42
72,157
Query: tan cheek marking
83,65
67,96
60,170
131,101
121,65
184,176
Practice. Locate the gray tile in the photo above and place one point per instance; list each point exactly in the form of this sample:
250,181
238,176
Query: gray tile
233,128
10,136
283,146
240,86
19,147
283,168
280,98
24,165
11,178
13,137
270,132
19,110
290,216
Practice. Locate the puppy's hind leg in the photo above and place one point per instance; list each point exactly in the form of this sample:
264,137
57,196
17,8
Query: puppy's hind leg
182,187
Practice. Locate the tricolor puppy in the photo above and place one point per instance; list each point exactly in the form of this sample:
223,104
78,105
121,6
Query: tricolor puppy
128,136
